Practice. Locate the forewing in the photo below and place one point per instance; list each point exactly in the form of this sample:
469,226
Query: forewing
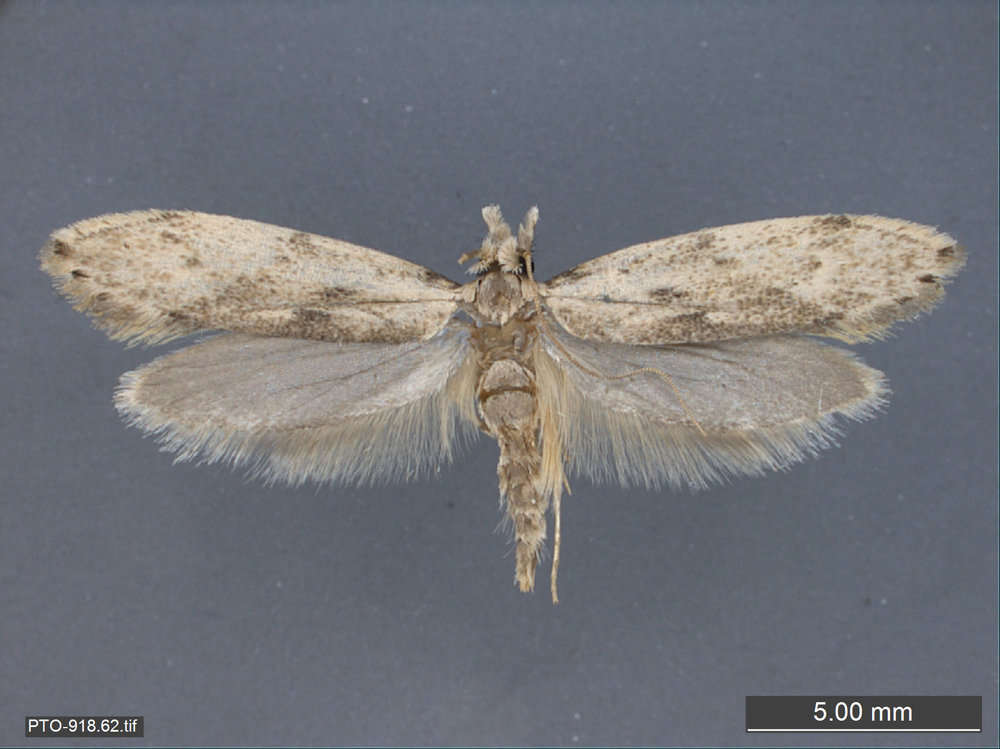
294,409
149,276
708,412
847,277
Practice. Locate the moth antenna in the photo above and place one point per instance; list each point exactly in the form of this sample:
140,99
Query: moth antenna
498,245
525,240
495,225
526,231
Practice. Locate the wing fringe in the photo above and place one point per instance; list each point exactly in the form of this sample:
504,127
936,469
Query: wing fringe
401,443
632,449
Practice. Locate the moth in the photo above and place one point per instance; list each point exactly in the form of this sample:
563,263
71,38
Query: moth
680,361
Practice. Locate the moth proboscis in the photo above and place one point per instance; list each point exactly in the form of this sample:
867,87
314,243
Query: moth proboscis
679,361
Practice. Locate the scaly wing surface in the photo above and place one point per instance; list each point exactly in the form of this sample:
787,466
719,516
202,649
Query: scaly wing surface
846,277
294,409
707,412
149,276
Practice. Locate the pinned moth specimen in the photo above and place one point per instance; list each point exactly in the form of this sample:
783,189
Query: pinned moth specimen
679,361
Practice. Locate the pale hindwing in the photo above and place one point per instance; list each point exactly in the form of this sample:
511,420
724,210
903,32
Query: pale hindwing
847,277
150,276
761,403
293,409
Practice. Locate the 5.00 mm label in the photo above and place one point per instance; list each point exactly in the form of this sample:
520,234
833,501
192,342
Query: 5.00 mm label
895,713
855,711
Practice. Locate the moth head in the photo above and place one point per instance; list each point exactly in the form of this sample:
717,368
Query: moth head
500,248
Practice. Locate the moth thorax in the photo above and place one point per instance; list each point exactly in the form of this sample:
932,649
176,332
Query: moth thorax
507,396
499,297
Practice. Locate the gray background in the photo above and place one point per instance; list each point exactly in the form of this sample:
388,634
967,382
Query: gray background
228,612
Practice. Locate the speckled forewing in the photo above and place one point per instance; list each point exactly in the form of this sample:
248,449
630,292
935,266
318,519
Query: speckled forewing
848,277
149,276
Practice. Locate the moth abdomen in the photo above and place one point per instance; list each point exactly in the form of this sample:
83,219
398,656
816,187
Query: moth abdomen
508,406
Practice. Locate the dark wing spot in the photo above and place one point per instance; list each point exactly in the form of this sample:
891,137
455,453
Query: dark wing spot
947,251
704,240
666,294
777,294
823,322
60,248
835,222
169,236
927,278
100,303
567,276
688,327
311,315
192,262
240,294
692,317
302,242
435,279
77,273
337,294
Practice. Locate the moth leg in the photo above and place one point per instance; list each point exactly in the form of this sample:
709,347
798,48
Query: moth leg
554,579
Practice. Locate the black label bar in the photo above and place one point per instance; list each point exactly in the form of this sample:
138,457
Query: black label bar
889,713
